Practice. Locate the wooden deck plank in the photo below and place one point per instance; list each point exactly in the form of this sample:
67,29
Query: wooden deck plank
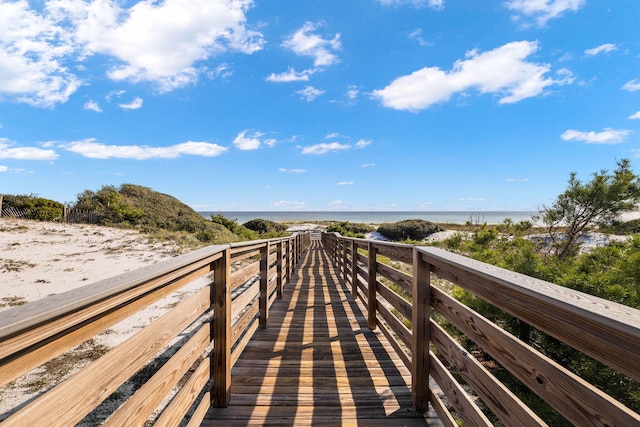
317,363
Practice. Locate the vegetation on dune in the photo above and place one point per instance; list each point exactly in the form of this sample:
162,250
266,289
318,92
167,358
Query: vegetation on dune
598,202
349,229
611,272
34,207
265,227
410,229
134,206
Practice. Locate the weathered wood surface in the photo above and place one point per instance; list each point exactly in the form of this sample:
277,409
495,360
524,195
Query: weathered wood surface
602,329
318,363
587,323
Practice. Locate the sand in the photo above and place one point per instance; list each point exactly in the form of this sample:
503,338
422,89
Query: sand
39,259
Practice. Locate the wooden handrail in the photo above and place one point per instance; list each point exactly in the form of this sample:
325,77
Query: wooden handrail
607,331
216,327
395,284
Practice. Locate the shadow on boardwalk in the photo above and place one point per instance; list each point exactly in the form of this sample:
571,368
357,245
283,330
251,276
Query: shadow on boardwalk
317,363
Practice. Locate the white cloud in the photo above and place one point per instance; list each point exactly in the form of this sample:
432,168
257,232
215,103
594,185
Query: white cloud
517,179
222,71
114,94
310,93
34,50
24,153
542,10
436,4
346,183
353,92
362,143
325,148
417,35
290,76
92,106
6,169
133,105
334,135
603,48
245,141
95,150
632,85
635,116
272,142
607,136
160,42
292,170
305,42
501,71
367,165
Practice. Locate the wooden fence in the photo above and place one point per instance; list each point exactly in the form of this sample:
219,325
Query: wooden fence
215,323
82,216
69,215
400,291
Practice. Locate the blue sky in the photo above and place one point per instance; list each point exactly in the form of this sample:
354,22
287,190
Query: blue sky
318,104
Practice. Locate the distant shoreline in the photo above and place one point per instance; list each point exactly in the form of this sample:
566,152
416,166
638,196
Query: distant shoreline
378,217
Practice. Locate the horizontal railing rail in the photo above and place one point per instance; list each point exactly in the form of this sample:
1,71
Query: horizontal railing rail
396,285
203,334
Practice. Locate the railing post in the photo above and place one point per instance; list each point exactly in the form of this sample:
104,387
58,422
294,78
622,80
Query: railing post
420,332
354,269
264,285
279,270
336,244
344,260
289,258
372,288
221,330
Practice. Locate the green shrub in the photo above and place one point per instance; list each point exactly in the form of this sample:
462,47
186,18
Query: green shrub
348,229
34,207
264,226
232,225
414,229
134,206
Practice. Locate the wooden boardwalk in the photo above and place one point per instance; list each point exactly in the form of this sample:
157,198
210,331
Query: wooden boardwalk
317,363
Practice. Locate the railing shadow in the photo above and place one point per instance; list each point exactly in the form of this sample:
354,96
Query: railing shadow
317,362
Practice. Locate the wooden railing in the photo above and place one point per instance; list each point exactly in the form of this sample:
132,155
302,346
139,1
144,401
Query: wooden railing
402,300
213,326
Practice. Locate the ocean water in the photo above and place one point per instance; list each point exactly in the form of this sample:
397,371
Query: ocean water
376,217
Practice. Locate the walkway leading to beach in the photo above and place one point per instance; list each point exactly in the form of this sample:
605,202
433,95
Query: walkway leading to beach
317,363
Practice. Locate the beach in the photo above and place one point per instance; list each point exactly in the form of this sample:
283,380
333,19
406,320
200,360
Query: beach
39,259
